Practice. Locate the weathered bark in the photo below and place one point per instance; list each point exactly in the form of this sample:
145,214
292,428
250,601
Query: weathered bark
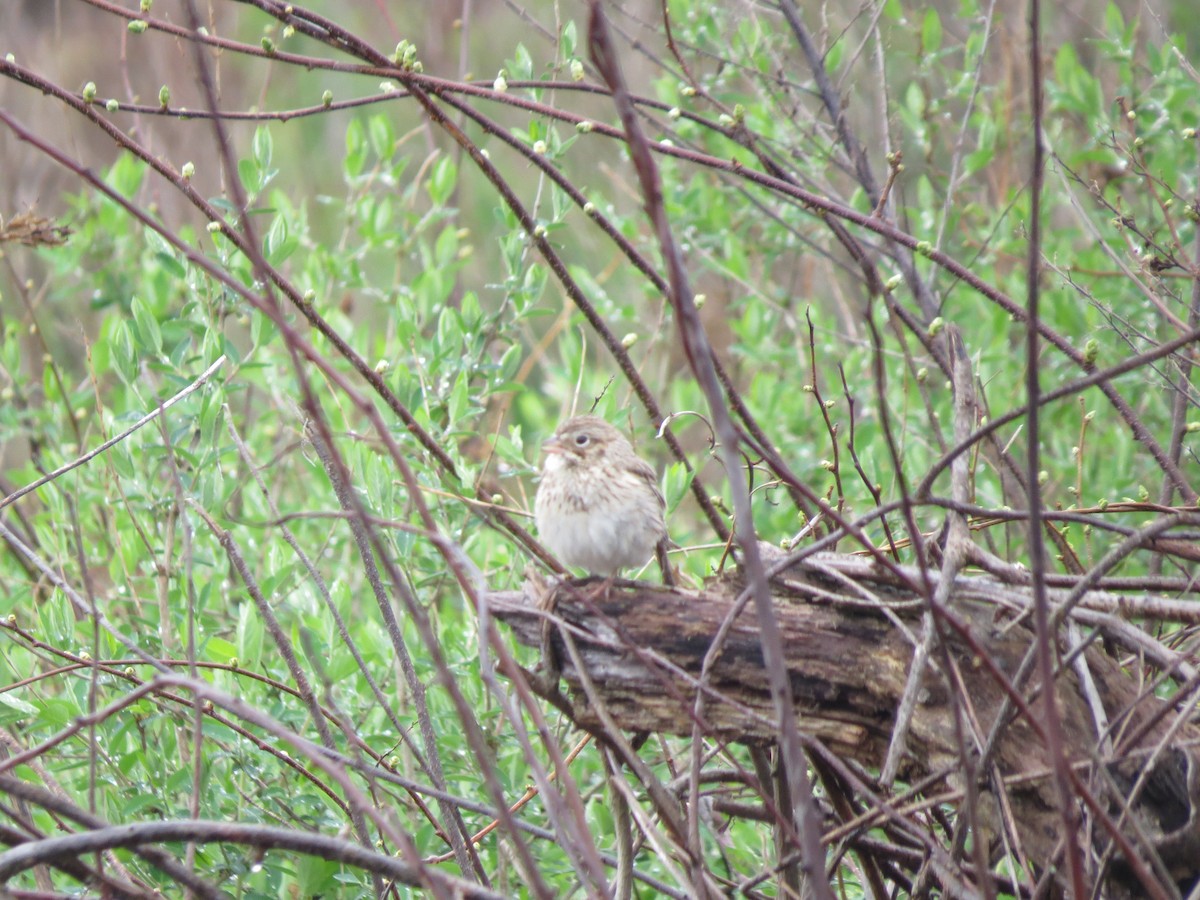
848,658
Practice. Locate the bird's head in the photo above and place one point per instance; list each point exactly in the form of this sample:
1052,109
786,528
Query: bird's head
579,440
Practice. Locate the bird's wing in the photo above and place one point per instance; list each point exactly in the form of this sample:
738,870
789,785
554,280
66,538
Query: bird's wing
645,472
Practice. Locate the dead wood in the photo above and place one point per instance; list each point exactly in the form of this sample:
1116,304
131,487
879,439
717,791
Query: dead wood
848,631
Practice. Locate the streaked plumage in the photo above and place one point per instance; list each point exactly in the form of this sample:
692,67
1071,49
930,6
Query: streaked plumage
598,505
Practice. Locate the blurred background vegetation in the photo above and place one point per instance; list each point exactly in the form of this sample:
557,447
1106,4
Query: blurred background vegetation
367,211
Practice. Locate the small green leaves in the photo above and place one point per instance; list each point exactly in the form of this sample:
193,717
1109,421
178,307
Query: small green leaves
136,26
262,147
405,56
382,134
89,92
356,149
676,483
522,63
280,242
164,96
442,180
931,31
120,345
149,334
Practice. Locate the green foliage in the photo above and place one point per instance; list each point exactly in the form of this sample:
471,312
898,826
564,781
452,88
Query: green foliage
414,261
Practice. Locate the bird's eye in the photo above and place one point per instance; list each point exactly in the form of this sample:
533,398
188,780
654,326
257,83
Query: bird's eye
581,440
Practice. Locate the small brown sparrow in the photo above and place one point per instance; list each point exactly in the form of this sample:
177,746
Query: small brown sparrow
598,506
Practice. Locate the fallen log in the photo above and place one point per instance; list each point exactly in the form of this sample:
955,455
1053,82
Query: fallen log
849,630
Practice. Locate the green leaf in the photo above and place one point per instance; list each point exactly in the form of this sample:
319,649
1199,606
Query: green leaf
211,410
914,99
126,174
249,174
139,803
931,31
121,461
449,329
442,180
460,400
57,713
124,355
445,250
1066,64
1114,22
569,39
219,650
280,243
383,136
676,483
171,265
522,64
148,332
262,148
833,58
249,635
14,709
356,150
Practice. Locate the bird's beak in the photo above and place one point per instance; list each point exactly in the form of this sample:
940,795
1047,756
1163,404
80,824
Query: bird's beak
553,445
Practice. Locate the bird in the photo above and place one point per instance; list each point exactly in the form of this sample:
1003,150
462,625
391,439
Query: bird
598,506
